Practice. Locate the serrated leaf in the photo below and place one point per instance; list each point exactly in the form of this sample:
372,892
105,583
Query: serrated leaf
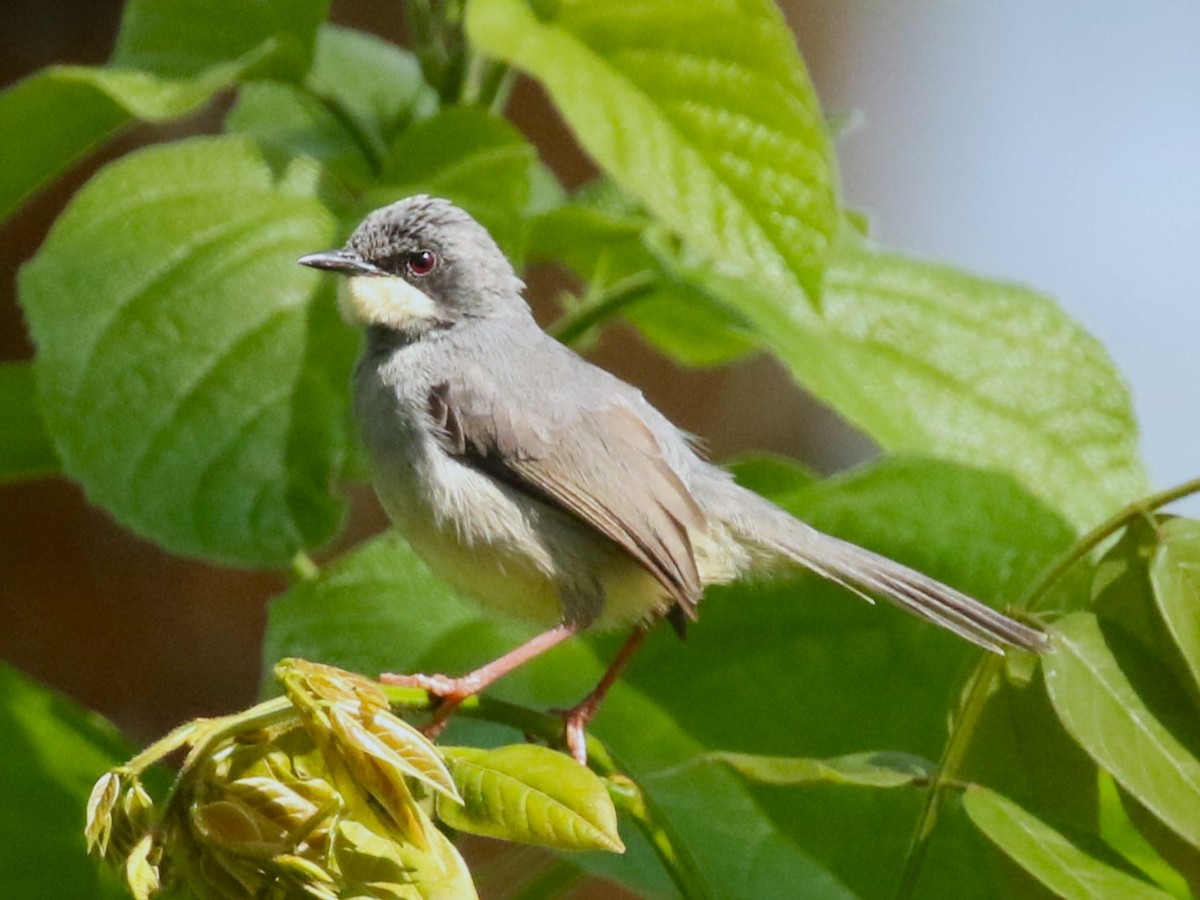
51,754
880,769
26,451
1102,711
531,795
702,110
926,359
1050,857
1175,576
173,332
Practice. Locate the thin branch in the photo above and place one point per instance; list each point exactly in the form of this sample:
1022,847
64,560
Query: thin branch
573,325
372,151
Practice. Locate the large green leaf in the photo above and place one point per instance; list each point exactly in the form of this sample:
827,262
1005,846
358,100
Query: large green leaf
52,753
184,377
930,360
1175,574
701,110
171,58
530,795
1102,710
1049,856
26,451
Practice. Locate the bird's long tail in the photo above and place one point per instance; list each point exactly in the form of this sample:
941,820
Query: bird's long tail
772,534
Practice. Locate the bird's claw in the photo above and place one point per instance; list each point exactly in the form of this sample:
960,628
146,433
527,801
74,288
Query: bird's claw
450,692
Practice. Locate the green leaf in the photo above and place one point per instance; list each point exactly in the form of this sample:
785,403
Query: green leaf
1175,575
379,83
703,111
531,795
54,117
880,769
51,754
174,333
927,359
26,451
1050,857
172,57
361,90
469,157
1102,711
1116,828
182,38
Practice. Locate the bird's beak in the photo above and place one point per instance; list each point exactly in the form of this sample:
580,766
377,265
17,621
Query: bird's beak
342,261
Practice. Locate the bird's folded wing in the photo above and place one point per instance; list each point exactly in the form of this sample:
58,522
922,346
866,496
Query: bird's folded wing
602,465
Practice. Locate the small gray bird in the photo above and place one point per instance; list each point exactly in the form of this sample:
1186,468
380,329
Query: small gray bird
547,488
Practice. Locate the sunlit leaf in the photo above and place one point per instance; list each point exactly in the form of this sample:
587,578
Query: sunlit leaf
703,111
174,333
531,795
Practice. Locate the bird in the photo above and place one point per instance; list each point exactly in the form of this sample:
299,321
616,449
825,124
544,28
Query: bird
545,487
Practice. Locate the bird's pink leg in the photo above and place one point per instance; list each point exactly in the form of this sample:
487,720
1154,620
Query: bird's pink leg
454,691
578,716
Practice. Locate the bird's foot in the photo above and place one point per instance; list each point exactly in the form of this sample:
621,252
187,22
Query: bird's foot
575,721
450,693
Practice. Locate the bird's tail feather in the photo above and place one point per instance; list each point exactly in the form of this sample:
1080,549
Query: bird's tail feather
869,574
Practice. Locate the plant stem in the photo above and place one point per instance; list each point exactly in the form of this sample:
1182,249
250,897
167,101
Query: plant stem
962,729
573,325
372,152
1090,541
970,711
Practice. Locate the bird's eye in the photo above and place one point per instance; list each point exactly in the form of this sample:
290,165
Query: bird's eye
420,263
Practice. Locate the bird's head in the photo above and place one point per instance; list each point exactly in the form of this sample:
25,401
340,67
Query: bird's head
421,264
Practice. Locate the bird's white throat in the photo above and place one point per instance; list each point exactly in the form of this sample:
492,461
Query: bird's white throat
384,300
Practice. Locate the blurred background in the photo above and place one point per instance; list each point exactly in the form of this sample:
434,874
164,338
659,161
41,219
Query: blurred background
1052,144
